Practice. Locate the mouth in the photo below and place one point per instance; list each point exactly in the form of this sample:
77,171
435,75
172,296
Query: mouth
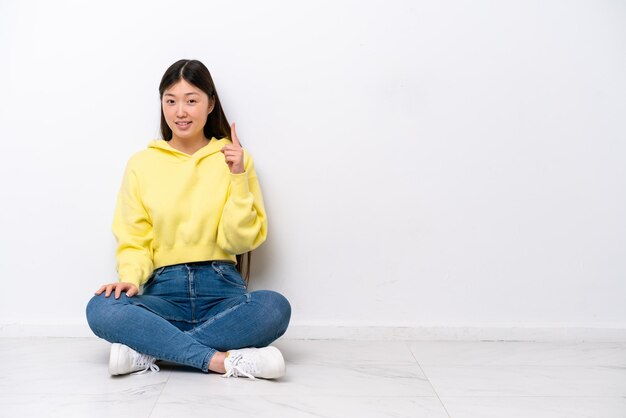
183,124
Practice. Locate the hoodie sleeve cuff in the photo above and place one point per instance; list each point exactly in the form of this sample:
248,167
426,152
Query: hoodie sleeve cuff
130,275
239,184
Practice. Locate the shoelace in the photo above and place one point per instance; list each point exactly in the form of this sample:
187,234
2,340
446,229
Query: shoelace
241,367
146,362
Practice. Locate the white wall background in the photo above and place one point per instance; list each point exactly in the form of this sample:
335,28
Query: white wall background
424,163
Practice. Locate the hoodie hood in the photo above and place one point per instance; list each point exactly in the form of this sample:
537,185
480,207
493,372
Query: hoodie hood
214,146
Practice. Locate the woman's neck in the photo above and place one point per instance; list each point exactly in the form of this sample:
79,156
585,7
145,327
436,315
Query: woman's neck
188,146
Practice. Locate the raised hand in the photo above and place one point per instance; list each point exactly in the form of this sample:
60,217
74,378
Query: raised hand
233,153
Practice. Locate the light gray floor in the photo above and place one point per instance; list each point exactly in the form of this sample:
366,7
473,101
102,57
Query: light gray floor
67,377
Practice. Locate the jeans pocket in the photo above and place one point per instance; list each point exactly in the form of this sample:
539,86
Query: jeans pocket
228,273
155,274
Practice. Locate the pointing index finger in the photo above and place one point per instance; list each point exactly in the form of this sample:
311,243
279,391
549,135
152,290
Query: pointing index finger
233,135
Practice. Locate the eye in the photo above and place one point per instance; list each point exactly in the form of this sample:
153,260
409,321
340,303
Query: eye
192,100
169,101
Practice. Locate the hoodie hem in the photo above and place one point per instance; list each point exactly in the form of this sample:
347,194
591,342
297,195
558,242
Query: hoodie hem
180,255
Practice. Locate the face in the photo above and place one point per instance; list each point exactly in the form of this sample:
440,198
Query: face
186,108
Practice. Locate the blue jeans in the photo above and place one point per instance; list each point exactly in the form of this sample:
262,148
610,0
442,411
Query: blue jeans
188,312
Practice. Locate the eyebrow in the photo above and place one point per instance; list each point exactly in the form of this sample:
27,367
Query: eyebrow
186,94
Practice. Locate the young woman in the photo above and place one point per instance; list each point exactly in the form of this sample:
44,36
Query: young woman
189,208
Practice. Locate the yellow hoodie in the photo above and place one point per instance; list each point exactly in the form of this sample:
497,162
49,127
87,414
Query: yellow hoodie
177,208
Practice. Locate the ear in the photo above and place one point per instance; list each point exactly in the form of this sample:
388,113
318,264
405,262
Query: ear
211,104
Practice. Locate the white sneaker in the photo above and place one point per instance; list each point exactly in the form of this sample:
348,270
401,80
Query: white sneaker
124,360
266,362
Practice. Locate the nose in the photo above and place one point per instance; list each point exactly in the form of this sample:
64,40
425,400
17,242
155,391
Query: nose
180,111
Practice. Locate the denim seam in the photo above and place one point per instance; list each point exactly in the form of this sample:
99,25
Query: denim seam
192,294
166,317
220,315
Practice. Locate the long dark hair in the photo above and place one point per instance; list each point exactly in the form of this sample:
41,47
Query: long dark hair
196,73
